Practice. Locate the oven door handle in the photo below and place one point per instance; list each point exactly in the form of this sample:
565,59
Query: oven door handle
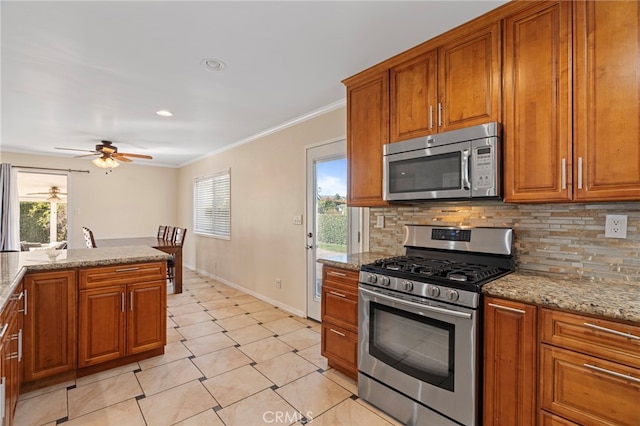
464,315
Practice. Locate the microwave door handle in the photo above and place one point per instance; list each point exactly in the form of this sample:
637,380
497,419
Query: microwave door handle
465,169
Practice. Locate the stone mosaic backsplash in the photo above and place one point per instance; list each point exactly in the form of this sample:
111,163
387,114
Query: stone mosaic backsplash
565,240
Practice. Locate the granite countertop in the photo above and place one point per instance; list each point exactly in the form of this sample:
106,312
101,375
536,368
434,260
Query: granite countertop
352,261
612,299
13,266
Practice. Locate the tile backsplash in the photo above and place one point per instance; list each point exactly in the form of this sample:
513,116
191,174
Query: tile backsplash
559,239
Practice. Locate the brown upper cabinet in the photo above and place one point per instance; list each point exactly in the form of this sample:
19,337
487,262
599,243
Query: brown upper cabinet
367,132
454,85
572,102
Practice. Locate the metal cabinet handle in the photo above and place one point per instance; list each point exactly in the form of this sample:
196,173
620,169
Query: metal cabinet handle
612,373
18,297
131,300
3,395
337,274
4,330
579,172
507,308
439,114
337,332
127,270
564,173
122,301
19,345
611,331
335,293
24,309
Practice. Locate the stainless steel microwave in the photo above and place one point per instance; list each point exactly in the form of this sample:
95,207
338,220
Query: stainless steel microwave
460,164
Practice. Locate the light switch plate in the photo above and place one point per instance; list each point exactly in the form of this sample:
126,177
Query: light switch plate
297,219
380,222
616,226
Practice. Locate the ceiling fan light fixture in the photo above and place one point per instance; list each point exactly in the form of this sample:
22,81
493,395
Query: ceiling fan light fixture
105,162
213,64
164,113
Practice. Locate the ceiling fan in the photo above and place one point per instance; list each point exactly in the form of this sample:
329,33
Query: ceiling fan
109,155
53,194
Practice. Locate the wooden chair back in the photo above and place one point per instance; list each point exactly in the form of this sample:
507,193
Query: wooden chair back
162,230
178,237
89,241
170,233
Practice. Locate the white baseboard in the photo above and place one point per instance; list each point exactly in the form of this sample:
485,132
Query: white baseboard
262,297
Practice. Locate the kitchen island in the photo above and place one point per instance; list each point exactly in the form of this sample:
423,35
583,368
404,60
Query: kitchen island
85,311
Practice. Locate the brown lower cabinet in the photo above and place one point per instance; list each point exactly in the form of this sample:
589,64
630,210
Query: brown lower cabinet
49,324
510,372
339,305
555,368
122,312
11,352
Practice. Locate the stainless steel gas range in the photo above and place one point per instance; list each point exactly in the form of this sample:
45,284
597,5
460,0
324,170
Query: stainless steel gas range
419,323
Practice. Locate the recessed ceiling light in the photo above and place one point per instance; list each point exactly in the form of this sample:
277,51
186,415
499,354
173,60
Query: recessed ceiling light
164,113
212,64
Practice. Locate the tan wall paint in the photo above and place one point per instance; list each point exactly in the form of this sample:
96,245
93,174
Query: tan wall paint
268,187
131,201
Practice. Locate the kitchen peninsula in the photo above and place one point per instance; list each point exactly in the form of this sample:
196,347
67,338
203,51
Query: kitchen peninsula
86,311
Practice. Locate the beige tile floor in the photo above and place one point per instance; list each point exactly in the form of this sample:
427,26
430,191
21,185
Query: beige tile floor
230,359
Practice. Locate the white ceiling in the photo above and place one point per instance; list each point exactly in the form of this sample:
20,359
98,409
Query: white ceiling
76,72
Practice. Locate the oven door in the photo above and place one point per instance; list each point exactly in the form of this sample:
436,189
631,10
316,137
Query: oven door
426,352
431,173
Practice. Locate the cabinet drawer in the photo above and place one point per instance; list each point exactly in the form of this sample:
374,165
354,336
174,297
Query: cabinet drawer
340,346
338,276
340,306
588,390
593,336
122,274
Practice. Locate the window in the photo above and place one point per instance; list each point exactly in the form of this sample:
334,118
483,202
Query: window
212,204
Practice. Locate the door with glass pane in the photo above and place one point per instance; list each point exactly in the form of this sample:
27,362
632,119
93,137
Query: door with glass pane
332,228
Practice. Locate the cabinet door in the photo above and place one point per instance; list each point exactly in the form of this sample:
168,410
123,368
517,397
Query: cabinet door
367,132
588,390
101,329
537,99
340,347
413,97
146,316
510,345
607,90
469,78
49,324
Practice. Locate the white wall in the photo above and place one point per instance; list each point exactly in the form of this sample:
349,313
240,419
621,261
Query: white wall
131,201
268,187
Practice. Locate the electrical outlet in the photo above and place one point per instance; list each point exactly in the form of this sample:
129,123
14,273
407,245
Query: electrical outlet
616,226
380,222
278,283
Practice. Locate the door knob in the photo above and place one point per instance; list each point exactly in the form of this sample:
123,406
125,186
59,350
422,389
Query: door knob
308,246
310,235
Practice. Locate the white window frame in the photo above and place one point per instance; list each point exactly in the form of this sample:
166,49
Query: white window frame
211,193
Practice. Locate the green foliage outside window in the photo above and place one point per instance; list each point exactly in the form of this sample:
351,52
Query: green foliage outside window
34,221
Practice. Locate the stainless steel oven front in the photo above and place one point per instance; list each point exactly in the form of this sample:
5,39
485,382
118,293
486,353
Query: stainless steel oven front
417,357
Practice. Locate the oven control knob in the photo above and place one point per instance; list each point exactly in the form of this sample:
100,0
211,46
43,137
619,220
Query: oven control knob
385,281
407,285
452,295
372,278
433,291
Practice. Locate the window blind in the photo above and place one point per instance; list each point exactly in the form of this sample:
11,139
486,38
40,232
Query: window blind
212,204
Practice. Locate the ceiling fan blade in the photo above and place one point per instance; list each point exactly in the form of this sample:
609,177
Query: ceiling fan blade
37,193
73,149
122,154
87,155
121,158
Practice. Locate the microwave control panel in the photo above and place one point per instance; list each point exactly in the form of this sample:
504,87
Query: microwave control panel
483,177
